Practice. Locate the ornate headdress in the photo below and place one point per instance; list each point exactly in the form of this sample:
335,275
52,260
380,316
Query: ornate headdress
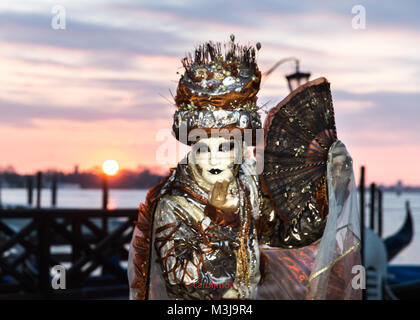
218,89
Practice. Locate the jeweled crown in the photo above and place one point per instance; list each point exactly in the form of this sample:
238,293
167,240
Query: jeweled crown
219,88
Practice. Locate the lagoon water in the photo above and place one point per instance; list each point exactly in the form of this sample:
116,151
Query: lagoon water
393,207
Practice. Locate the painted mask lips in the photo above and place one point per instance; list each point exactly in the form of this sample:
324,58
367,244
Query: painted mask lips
215,171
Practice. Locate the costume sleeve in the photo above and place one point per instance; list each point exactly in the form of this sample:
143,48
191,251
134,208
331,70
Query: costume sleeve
135,269
302,231
191,258
177,251
176,243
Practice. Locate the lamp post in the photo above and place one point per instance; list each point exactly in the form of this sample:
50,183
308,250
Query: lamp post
297,78
294,80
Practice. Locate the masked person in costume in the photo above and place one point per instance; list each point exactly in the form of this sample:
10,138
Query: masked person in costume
214,228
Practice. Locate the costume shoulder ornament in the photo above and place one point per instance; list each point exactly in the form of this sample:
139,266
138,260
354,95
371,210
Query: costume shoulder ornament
298,134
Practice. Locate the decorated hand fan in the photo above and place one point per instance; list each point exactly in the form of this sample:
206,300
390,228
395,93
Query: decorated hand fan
298,134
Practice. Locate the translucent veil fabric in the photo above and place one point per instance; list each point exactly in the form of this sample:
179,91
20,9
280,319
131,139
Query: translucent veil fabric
339,248
322,270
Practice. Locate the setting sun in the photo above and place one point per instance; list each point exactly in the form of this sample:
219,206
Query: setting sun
110,167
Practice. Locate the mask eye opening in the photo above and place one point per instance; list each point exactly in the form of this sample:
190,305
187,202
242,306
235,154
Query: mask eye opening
201,148
227,146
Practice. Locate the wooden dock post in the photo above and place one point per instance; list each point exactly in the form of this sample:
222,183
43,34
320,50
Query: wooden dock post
380,214
54,191
104,191
30,187
76,227
43,254
105,201
38,189
372,205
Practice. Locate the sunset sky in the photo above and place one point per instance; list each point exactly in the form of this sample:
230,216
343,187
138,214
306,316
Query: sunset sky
100,89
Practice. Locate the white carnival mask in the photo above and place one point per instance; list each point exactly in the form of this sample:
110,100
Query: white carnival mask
216,158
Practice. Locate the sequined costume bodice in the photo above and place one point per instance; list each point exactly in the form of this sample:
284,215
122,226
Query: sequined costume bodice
204,256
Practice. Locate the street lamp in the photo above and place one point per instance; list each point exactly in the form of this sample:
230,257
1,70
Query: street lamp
295,79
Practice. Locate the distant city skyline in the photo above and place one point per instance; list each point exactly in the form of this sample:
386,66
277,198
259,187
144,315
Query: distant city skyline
76,169
125,178
399,184
94,91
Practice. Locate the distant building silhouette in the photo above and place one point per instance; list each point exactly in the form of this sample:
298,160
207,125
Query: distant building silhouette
126,179
399,187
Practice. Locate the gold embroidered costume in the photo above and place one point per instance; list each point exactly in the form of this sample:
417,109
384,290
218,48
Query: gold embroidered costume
214,228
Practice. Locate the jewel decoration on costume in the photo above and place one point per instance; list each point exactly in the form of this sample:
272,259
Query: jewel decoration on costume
212,72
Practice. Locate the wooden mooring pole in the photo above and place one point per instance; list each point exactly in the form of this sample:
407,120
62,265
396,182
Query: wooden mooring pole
380,200
372,206
30,187
43,255
0,193
105,201
54,191
38,189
